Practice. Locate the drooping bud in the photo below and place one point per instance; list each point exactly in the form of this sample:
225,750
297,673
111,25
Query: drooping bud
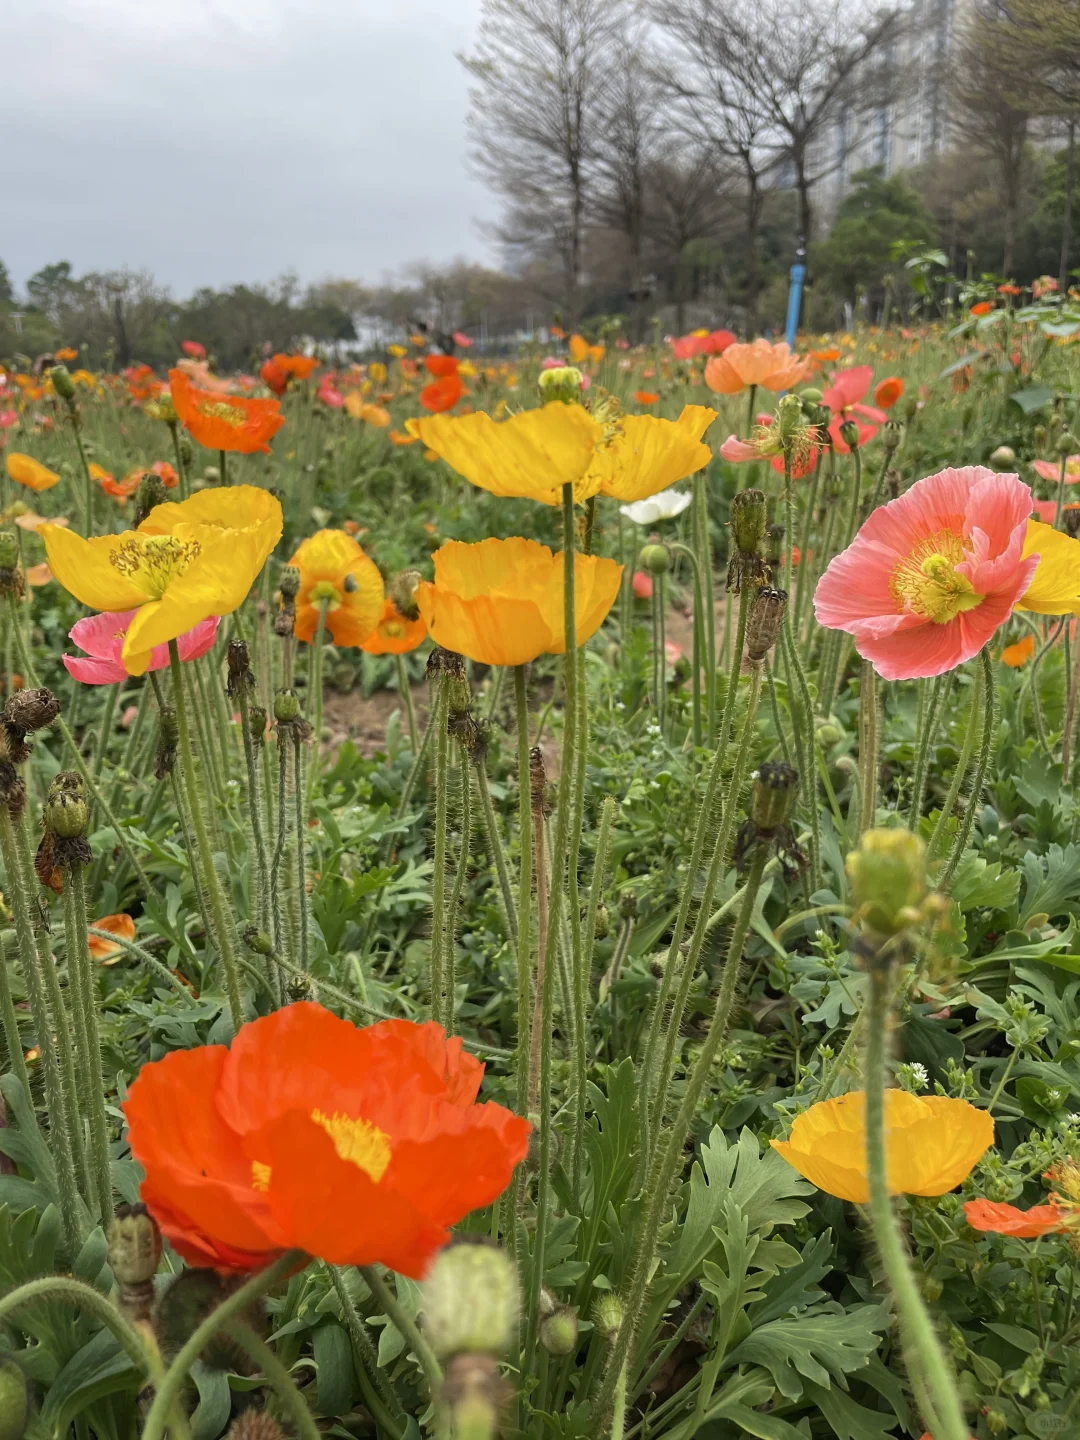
30,710
765,621
772,797
559,1331
561,382
403,594
887,875
286,706
470,1299
134,1252
1003,458
849,433
258,941
62,382
608,1316
14,1400
748,520
151,493
240,680
655,559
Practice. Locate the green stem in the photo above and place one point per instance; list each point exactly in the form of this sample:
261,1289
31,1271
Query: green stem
281,842
925,739
869,700
81,973
618,1413
916,1327
262,899
223,467
301,835
108,711
16,1058
708,607
971,731
1062,474
461,872
440,999
181,469
989,727
405,691
525,885
292,1402
495,848
367,1358
173,1379
203,858
161,972
699,637
803,586
317,697
412,1335
64,1289
579,1032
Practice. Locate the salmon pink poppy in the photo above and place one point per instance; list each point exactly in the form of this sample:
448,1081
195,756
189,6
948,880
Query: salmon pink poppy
460,338
359,1146
1010,1220
844,398
701,342
443,394
193,349
642,585
1051,469
930,576
102,638
760,363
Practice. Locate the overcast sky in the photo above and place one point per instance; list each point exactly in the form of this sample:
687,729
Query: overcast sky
217,141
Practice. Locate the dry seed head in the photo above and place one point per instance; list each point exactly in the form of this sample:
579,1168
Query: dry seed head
748,520
134,1245
32,709
240,679
254,1425
765,622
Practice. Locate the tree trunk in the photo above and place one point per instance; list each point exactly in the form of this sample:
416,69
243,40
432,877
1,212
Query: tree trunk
1067,217
802,187
754,205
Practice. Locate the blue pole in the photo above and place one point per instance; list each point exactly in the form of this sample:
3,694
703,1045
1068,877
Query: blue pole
794,304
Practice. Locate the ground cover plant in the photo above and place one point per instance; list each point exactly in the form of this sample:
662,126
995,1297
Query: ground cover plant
668,1026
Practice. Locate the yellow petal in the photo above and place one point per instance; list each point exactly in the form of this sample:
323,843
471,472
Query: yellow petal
532,454
326,555
84,569
229,507
650,454
1055,586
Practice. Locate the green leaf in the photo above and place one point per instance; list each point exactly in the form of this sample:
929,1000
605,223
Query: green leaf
962,363
849,1419
1062,330
819,1346
1033,398
980,885
334,1370
100,1368
1051,882
215,1402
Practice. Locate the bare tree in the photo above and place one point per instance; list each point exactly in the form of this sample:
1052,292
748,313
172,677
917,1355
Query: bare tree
686,192
536,103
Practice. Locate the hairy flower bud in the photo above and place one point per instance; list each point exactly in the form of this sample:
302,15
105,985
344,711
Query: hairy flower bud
772,797
470,1299
561,382
151,493
849,433
62,382
887,875
134,1243
608,1316
1003,458
289,582
1067,443
765,621
811,396
66,814
286,706
240,680
748,520
258,941
559,1331
655,559
892,434
790,421
14,1400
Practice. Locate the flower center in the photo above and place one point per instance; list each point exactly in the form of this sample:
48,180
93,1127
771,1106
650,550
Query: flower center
358,1141
929,583
324,592
153,561
222,410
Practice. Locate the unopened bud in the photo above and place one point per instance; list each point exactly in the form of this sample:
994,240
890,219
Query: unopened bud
789,418
910,407
289,582
827,733
849,433
257,718
134,1243
62,382
151,493
1067,443
258,941
811,396
559,1331
772,798
470,1299
892,435
887,875
561,382
765,621
211,475
603,922
239,679
608,1316
403,594
66,814
655,559
774,545
1003,458
748,520
286,706
9,550
32,709
14,1400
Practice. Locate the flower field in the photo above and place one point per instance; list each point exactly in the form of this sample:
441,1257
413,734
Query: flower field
670,1027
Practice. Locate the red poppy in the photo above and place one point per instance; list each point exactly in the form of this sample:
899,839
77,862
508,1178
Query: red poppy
360,1146
225,422
194,349
165,473
142,383
888,392
844,398
274,377
442,394
1008,1220
440,365
982,308
646,397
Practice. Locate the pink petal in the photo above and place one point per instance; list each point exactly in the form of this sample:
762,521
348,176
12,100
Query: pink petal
738,450
848,386
95,672
198,640
102,635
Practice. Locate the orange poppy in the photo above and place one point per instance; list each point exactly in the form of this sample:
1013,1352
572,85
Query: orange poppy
165,473
982,308
25,470
832,353
1020,653
280,369
439,366
121,490
334,569
1008,289
65,353
760,363
142,383
888,392
359,1146
394,635
225,422
399,439
360,409
274,377
105,951
442,394
1009,1220
581,350
646,397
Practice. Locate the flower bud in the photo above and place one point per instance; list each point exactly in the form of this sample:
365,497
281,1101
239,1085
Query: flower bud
772,797
187,453
62,382
66,814
32,709
1070,520
403,594
812,396
628,906
9,550
603,922
286,706
289,582
655,559
608,1316
134,1243
748,520
909,407
789,418
258,941
1003,458
151,492
561,382
893,433
254,1425
849,433
559,1331
475,1395
887,875
828,733
774,545
239,680
1067,443
765,621
470,1299
14,1400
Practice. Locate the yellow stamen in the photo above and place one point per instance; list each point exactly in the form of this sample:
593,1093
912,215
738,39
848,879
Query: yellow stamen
358,1141
222,410
153,561
929,583
260,1176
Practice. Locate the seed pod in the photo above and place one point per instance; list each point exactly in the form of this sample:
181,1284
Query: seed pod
286,706
62,382
31,710
240,680
772,798
470,1299
134,1252
892,435
258,941
849,433
748,520
765,621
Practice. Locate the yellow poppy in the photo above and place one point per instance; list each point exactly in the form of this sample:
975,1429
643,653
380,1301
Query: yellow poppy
186,562
334,568
534,453
361,409
932,1143
500,602
1020,653
25,470
1055,586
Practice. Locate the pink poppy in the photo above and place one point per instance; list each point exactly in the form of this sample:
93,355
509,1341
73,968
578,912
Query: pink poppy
102,637
460,338
194,349
330,397
642,584
844,397
685,347
737,450
931,576
8,418
1048,469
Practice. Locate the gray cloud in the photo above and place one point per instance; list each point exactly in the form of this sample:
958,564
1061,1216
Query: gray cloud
217,141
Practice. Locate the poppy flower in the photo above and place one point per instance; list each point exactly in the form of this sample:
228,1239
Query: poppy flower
37,575
930,576
1045,285
580,350
394,635
642,585
225,422
460,338
442,394
1055,586
932,1143
333,568
1008,289
102,639
359,1146
701,342
165,473
29,521
663,506
329,394
193,349
500,602
844,398
25,470
184,563
646,397
65,353
1051,469
105,952
759,363
888,392
1019,654
534,453
982,308
398,438
440,366
142,383
274,377
1009,1220
360,409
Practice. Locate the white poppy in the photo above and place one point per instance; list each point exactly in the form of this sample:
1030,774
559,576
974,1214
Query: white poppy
664,506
